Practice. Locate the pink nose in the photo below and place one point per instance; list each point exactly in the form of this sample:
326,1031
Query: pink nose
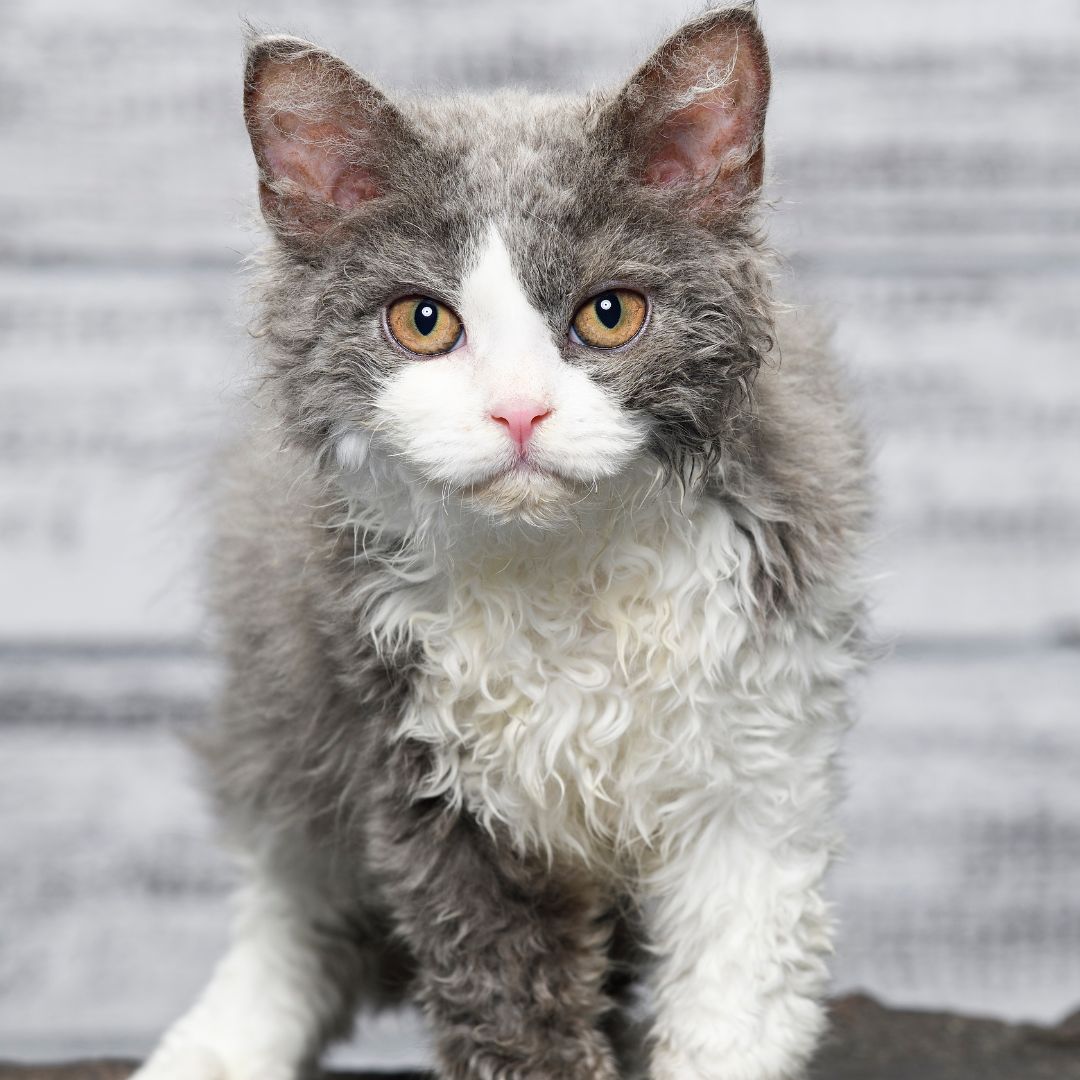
520,418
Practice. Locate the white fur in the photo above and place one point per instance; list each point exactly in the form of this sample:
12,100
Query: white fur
740,929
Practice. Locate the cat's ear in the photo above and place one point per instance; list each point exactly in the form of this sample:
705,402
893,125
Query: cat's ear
321,135
693,116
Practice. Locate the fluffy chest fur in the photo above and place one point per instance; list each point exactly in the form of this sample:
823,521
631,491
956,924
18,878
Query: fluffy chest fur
590,699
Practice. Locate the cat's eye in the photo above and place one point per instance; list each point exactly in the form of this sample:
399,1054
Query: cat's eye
423,325
610,318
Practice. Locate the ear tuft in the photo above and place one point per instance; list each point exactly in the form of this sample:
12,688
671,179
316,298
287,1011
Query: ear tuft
693,115
319,133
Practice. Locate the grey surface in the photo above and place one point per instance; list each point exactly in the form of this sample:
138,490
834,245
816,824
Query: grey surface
928,159
866,1041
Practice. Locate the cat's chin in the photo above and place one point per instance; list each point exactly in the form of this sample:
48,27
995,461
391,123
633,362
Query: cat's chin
528,497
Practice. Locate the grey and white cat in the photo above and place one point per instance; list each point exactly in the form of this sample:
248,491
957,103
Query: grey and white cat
538,581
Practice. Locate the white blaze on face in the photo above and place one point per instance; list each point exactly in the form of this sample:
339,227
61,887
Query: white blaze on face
441,415
510,341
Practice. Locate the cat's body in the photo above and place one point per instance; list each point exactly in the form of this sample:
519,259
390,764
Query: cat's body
536,647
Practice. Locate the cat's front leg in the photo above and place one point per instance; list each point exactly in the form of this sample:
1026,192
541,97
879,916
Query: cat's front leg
741,933
511,954
287,982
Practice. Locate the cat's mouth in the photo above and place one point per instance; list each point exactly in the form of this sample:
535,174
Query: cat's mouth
523,469
526,491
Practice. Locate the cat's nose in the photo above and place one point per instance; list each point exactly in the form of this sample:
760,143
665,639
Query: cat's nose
520,418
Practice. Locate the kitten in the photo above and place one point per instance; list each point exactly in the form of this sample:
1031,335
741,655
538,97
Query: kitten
538,584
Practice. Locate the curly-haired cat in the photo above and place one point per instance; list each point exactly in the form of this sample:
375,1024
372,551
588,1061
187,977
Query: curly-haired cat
537,575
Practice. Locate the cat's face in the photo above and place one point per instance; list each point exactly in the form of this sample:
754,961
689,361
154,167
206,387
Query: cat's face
515,301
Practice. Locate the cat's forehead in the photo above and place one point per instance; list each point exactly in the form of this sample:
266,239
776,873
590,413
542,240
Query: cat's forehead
512,155
528,165
507,127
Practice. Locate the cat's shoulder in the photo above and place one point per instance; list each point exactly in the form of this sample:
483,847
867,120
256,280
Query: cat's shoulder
797,480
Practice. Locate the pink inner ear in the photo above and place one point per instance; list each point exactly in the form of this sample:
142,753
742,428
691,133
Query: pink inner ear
314,156
668,167
699,143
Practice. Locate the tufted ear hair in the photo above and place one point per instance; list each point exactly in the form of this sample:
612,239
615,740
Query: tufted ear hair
693,116
322,135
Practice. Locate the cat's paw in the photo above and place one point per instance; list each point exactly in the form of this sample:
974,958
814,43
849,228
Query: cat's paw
182,1061
190,1060
672,1063
669,1064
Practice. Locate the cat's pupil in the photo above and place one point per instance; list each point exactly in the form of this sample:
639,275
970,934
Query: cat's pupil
425,317
609,310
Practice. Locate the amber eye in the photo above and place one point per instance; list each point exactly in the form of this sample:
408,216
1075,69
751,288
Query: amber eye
611,318
423,325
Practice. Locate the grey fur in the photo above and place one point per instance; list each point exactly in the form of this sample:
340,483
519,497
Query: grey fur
511,957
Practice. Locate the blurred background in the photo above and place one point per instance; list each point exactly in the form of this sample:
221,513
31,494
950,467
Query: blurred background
927,192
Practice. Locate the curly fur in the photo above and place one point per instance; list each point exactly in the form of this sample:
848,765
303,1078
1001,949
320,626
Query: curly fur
509,739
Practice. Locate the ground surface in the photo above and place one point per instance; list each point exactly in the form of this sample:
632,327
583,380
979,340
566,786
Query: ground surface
867,1042
928,192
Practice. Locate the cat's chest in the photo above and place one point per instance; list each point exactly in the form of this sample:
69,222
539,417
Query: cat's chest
571,708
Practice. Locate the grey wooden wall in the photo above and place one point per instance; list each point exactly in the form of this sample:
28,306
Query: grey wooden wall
927,160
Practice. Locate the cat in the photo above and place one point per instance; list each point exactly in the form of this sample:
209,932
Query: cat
539,581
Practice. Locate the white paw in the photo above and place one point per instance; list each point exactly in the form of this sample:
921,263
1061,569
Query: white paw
672,1063
177,1059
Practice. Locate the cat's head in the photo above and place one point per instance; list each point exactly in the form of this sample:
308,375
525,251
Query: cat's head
515,302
